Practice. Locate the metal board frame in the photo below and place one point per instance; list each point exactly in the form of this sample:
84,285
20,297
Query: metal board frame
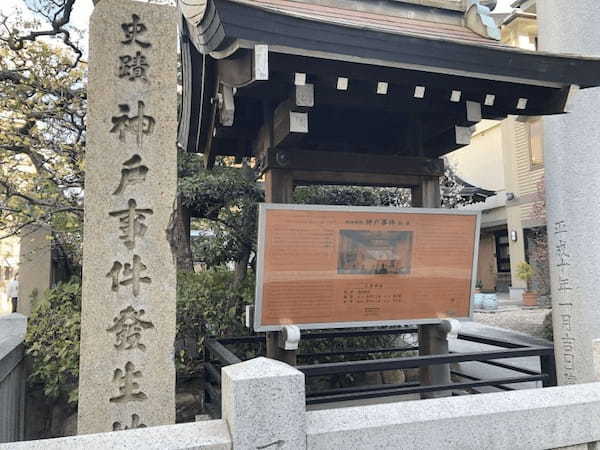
264,207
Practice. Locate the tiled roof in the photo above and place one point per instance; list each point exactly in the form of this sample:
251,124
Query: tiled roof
374,21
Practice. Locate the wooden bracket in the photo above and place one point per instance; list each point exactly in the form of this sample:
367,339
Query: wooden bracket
226,106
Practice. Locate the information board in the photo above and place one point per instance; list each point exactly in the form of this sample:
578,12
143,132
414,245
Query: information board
336,267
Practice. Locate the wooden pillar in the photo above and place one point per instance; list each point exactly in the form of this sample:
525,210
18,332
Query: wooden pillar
279,188
432,338
427,193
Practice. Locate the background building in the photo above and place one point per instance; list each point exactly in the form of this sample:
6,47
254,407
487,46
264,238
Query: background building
507,157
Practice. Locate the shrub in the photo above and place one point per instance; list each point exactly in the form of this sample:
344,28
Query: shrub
208,304
53,341
524,271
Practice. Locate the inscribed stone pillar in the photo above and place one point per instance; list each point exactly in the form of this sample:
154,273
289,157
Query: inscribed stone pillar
127,372
572,163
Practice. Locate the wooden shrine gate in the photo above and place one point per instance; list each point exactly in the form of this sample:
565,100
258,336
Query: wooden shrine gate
348,93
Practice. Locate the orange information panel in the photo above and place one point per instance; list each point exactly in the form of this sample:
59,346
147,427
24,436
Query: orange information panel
334,267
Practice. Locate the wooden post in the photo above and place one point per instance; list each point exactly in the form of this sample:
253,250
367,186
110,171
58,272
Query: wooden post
427,194
432,338
279,188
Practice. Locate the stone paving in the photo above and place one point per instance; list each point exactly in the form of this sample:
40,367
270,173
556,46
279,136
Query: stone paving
513,316
528,321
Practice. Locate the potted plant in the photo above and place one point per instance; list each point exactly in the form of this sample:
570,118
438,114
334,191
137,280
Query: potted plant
525,273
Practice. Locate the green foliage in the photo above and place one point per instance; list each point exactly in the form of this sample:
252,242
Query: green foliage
352,195
524,271
225,201
209,304
53,341
42,138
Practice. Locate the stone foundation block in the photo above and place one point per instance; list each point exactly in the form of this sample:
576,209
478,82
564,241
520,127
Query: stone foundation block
264,405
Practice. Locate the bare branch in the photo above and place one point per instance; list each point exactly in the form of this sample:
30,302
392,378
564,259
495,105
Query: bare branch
58,23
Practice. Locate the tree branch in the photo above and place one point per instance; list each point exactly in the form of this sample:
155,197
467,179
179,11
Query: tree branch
58,23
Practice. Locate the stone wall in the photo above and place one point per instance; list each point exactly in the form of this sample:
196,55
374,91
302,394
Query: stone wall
12,377
263,407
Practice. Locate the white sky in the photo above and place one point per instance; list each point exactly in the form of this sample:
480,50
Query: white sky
503,6
80,17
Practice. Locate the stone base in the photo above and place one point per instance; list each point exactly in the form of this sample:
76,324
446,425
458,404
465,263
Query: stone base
263,403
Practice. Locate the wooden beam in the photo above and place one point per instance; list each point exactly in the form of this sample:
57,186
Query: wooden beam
307,160
357,71
452,139
289,125
321,177
473,112
237,70
299,79
282,126
304,95
361,97
541,100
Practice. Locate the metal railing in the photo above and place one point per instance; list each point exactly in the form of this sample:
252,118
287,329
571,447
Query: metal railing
217,354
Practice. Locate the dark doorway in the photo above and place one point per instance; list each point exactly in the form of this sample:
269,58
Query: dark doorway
502,261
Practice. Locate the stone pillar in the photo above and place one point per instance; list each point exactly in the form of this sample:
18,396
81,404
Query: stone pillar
35,267
264,405
127,370
433,340
572,163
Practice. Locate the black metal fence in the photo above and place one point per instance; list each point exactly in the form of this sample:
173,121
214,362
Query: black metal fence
217,355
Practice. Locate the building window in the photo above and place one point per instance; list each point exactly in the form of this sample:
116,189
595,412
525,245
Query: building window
536,145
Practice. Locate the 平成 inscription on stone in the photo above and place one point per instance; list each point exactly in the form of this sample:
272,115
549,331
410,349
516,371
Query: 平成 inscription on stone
127,372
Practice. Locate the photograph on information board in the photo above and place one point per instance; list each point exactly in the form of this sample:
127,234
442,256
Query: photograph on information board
374,252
